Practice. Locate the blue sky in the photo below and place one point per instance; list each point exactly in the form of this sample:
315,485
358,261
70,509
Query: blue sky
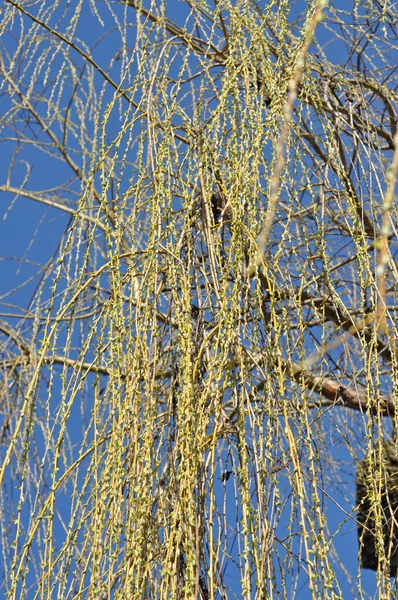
31,234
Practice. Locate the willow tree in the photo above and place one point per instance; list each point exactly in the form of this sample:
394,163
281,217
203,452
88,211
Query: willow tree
198,306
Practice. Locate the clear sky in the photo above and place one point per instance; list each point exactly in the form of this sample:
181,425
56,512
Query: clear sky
31,233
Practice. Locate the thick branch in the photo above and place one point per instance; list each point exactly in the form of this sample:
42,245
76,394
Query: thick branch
341,395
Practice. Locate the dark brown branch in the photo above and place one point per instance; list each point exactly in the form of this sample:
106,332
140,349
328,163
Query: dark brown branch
341,395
